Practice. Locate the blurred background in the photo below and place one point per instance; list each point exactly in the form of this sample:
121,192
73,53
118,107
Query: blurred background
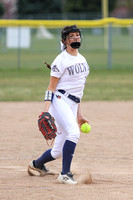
108,49
64,9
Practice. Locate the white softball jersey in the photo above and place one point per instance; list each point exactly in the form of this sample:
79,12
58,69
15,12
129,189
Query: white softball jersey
72,71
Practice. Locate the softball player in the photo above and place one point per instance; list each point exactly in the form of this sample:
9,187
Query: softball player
69,71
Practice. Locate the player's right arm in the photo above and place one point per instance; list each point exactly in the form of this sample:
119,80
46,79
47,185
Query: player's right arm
80,117
52,86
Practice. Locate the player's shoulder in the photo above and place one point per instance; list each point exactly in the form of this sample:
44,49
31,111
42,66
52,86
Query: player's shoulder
60,56
80,56
59,60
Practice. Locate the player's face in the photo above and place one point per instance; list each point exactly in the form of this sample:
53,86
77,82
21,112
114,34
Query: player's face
73,37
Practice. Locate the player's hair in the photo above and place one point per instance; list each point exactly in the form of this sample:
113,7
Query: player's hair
69,29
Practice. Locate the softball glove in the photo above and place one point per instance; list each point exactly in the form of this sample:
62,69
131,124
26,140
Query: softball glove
46,124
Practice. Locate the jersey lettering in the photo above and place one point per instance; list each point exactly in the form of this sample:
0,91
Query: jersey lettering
71,70
78,68
55,69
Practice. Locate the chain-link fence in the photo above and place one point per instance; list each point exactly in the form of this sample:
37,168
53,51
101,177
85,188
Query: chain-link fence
25,47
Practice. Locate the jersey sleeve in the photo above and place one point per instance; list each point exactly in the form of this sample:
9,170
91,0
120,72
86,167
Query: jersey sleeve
57,68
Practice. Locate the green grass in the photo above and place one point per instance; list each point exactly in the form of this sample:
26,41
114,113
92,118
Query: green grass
30,85
23,85
109,85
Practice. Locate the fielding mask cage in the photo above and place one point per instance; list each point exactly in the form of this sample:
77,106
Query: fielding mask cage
71,29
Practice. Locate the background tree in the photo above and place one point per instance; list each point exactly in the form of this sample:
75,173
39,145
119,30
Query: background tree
39,8
2,9
87,6
34,8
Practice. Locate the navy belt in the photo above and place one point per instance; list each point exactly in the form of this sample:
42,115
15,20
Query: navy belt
73,98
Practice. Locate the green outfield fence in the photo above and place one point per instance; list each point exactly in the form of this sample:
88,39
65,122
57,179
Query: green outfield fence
106,43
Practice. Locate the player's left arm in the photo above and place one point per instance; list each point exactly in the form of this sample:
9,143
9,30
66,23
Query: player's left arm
81,119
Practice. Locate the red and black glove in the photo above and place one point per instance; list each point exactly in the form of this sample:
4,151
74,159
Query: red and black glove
46,124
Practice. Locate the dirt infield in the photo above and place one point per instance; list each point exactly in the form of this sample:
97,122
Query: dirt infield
106,153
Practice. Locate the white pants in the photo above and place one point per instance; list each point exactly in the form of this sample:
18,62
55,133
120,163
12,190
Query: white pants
64,110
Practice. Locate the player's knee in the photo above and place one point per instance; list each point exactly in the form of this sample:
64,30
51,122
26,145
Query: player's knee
74,135
73,138
56,153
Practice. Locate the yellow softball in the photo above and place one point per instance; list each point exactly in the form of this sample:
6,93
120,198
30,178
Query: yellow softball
85,128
